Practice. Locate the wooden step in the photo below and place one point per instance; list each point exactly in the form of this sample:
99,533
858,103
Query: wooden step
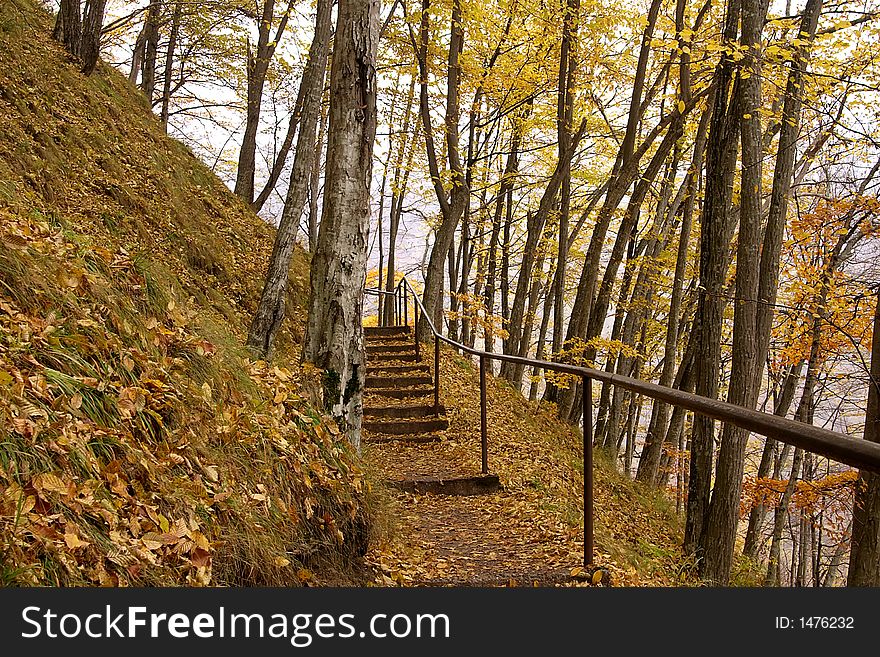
424,410
403,347
397,381
407,427
375,359
401,393
476,485
398,369
382,331
406,438
384,342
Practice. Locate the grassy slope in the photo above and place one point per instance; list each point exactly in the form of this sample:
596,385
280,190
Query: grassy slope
138,446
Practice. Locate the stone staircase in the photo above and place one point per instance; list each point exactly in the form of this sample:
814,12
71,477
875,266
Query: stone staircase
399,402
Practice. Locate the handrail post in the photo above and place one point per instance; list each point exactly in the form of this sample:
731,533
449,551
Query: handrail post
405,306
416,330
437,375
588,470
484,443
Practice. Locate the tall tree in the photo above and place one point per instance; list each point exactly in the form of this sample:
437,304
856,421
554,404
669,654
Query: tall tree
169,63
258,59
757,271
864,561
716,231
334,335
454,200
270,311
81,33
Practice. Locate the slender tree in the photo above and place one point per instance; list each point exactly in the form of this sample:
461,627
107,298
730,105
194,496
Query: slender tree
864,562
270,311
259,56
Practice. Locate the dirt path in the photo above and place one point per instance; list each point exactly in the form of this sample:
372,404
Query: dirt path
515,537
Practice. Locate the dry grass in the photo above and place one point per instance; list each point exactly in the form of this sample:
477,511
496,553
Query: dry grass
138,443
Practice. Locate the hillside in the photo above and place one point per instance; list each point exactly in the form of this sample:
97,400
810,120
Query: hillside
138,444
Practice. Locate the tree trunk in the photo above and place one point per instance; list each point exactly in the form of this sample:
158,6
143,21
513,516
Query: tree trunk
69,26
315,182
334,334
169,63
529,321
504,188
716,231
783,403
757,273
270,311
717,540
453,202
137,52
568,60
780,513
864,561
504,276
535,226
257,67
649,461
542,337
401,182
151,48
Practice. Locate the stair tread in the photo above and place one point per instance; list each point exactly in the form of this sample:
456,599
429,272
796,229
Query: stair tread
401,392
373,381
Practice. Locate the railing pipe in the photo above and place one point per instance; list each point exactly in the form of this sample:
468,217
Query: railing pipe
436,372
862,454
416,330
484,441
588,470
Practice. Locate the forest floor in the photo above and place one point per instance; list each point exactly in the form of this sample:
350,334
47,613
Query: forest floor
529,533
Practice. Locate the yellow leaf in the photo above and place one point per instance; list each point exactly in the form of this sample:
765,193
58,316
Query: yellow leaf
681,107
73,541
49,482
597,577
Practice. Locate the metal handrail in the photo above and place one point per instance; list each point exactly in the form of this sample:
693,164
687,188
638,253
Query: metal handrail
858,453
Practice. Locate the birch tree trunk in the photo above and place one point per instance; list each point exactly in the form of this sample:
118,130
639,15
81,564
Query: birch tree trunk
334,334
